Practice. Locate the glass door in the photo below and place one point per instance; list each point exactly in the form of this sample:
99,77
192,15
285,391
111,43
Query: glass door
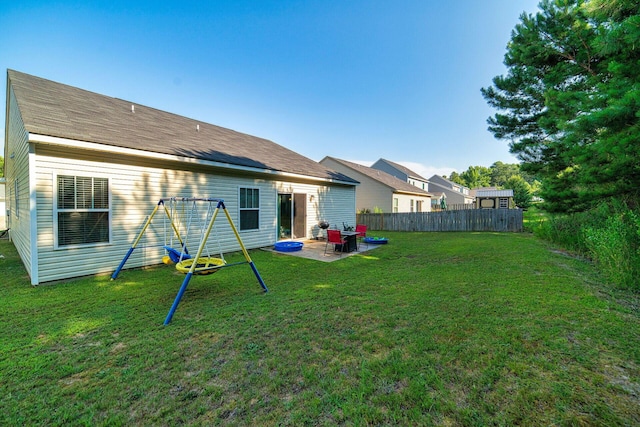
285,216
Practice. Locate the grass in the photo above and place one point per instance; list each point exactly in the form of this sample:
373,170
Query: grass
451,329
533,219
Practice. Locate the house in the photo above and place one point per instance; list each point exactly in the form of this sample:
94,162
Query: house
380,191
401,172
438,200
491,198
84,170
455,194
3,205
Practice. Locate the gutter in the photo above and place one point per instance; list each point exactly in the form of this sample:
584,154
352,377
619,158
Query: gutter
65,142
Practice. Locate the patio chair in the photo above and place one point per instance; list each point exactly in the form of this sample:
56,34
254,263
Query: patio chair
3,233
334,237
361,229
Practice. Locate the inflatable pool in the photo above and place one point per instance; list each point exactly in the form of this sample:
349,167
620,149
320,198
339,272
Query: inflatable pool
288,246
376,240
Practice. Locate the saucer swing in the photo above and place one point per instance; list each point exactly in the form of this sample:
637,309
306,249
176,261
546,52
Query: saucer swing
202,262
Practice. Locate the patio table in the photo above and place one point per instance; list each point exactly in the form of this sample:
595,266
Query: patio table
351,238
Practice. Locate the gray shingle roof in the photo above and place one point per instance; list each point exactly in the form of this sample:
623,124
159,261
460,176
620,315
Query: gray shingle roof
494,193
404,170
391,181
54,109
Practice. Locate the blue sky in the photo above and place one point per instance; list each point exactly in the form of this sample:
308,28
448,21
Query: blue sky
359,80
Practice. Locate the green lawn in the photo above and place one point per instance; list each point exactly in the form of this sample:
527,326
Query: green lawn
533,218
451,329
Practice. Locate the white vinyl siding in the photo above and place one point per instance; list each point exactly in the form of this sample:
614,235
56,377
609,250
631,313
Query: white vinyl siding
17,171
135,191
16,197
336,204
370,194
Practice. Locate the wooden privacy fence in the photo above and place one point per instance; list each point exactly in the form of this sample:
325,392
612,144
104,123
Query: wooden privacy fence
454,207
504,220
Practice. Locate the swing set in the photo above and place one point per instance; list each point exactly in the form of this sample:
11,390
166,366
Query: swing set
202,263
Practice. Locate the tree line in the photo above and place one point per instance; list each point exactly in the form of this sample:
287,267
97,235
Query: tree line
502,176
569,104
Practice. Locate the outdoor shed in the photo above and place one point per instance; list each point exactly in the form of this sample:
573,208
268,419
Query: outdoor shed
83,171
494,199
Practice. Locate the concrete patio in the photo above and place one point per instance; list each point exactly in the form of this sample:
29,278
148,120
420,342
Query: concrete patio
314,249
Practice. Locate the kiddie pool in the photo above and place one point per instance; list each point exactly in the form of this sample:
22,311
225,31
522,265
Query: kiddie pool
288,246
376,240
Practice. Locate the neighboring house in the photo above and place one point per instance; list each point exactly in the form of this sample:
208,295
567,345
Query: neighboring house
379,190
3,205
84,170
494,199
438,200
456,194
401,172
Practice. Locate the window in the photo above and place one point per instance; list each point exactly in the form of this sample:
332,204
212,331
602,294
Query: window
411,207
504,203
249,209
395,205
82,210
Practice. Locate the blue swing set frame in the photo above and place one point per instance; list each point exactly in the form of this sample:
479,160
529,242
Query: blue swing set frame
193,269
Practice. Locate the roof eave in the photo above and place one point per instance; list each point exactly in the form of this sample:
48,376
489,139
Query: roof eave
91,146
411,193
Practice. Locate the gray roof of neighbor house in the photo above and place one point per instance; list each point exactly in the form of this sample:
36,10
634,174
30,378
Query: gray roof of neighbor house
403,169
391,181
57,110
443,180
494,193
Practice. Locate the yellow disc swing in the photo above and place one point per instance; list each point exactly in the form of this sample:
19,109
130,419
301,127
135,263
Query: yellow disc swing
204,264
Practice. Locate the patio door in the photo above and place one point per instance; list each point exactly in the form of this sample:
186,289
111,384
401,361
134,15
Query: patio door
292,216
299,216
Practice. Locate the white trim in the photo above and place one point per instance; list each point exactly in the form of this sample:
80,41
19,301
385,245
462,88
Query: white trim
53,140
55,174
240,209
33,216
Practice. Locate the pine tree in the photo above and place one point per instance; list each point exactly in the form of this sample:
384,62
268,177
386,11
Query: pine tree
612,160
569,103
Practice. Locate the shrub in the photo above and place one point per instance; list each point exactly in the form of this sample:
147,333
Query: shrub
615,247
565,231
608,234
